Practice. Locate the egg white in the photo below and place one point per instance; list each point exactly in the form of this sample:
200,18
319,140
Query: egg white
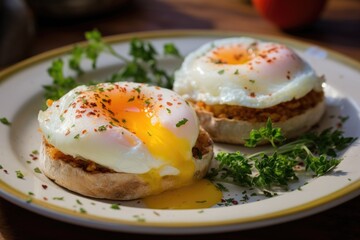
261,82
116,148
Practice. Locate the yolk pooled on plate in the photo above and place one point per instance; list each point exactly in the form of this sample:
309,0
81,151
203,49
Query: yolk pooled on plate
201,194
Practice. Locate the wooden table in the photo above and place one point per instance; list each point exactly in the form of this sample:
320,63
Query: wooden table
338,29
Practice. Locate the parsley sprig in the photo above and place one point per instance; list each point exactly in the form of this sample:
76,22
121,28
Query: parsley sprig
142,66
268,133
276,166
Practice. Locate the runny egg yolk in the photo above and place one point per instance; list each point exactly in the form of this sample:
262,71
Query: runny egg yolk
232,54
201,194
135,112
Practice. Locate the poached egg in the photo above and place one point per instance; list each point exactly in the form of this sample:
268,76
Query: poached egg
245,72
127,127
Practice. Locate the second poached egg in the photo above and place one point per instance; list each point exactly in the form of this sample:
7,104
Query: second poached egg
245,72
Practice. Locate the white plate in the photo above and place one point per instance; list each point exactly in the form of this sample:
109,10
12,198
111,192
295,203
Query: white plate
21,98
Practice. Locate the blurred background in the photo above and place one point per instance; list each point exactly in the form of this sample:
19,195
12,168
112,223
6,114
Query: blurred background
29,27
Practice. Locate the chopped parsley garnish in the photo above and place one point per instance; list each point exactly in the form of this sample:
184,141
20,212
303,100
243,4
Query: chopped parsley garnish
58,198
131,99
138,89
77,136
168,110
236,72
139,218
245,198
19,174
115,206
35,152
252,81
5,121
147,101
221,187
82,210
181,122
275,167
170,49
78,202
102,128
221,72
37,170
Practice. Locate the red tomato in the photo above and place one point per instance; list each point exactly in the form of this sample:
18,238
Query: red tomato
289,14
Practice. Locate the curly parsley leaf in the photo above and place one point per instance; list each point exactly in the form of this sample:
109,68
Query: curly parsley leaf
142,65
328,142
170,49
95,46
320,164
5,121
142,51
268,133
76,58
60,84
237,167
276,169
